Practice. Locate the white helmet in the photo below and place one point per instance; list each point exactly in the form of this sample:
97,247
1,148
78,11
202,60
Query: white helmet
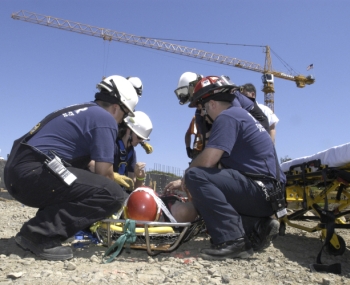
121,91
185,87
137,83
141,124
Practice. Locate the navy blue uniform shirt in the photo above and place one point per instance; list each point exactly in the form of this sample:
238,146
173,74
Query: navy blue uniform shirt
246,144
90,131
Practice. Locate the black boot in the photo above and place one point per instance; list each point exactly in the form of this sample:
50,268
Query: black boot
260,231
44,247
239,248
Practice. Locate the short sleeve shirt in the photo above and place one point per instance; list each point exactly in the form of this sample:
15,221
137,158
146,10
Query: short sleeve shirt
246,144
90,131
272,118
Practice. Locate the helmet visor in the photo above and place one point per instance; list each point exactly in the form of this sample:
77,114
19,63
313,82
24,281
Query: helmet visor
182,93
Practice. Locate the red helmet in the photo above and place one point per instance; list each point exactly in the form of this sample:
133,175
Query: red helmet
142,205
209,86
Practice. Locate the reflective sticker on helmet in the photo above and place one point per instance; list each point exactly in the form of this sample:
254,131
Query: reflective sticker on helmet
205,83
218,90
131,120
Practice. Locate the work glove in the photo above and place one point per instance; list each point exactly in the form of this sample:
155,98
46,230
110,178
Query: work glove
189,152
124,181
147,147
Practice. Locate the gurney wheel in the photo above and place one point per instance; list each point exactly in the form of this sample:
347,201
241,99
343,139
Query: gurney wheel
336,251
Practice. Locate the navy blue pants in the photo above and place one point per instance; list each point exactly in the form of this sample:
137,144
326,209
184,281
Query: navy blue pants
221,196
63,210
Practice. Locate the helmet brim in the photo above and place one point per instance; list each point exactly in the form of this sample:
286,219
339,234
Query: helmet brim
226,91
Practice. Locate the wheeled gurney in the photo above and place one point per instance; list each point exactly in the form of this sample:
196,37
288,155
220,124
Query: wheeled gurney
319,183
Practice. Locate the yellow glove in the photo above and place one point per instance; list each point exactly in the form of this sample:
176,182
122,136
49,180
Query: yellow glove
123,180
147,147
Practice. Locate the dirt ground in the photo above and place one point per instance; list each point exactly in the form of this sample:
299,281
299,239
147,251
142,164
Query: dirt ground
286,261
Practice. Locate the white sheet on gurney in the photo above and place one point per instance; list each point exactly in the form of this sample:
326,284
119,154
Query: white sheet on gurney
333,157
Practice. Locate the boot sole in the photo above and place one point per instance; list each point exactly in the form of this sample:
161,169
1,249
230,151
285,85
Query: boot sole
245,254
26,244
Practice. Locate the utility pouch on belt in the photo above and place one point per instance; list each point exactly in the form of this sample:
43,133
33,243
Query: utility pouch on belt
276,198
57,168
275,195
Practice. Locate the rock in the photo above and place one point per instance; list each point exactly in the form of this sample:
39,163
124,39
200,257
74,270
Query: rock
70,266
95,259
15,275
326,281
225,279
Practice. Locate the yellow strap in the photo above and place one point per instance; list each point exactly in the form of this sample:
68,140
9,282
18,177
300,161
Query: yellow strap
154,230
123,162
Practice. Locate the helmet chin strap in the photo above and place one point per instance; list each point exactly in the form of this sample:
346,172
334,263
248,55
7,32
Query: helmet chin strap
210,119
204,126
130,137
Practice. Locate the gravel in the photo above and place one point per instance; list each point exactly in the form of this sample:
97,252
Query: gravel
286,261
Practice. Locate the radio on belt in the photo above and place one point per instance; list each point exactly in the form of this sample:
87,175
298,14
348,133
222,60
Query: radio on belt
59,170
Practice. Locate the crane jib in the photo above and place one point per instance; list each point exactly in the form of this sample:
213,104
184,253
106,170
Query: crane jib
110,35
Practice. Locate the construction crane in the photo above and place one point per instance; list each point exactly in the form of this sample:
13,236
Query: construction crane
110,35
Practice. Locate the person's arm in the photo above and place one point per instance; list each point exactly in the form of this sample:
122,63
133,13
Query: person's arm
188,142
91,166
104,169
188,137
209,157
273,132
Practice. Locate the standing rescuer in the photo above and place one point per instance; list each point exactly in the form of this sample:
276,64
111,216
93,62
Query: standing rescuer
249,178
47,169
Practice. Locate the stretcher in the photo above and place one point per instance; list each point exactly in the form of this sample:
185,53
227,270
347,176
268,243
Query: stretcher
319,183
154,237
163,235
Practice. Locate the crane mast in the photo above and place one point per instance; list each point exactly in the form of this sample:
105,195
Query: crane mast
111,35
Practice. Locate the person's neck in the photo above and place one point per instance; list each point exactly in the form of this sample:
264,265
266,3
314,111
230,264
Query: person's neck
219,110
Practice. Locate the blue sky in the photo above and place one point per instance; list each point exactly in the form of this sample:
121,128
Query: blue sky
44,69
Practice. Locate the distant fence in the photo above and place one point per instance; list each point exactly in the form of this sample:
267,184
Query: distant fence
167,169
158,181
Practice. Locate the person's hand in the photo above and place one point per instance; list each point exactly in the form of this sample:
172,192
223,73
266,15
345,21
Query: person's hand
139,171
172,186
124,181
189,152
147,147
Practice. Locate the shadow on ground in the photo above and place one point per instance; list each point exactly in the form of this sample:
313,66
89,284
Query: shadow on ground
303,249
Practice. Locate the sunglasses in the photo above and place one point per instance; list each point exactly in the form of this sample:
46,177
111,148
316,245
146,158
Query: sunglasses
141,139
126,112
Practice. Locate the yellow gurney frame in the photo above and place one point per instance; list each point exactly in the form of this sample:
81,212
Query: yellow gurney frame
317,187
155,237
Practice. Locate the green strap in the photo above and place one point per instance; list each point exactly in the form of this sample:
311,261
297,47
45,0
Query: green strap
128,237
